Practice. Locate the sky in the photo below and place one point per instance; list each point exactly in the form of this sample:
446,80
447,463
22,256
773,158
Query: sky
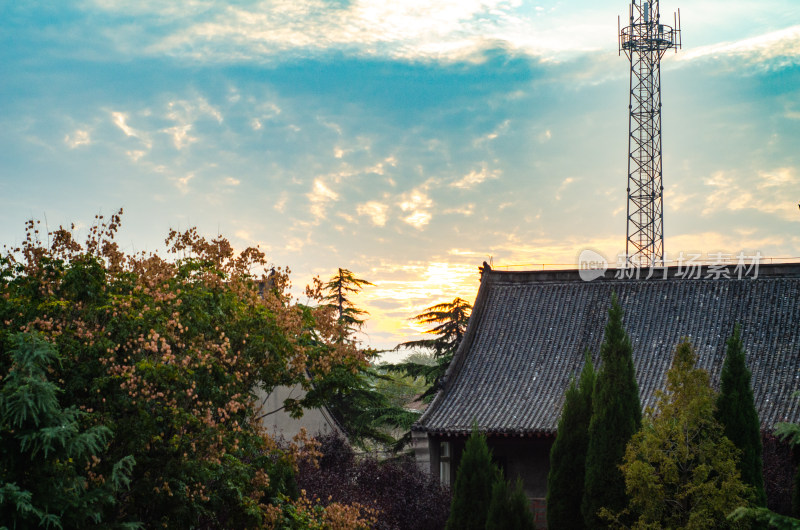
405,140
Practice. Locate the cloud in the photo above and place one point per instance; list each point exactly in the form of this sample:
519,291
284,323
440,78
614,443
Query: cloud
467,210
183,183
376,211
473,178
319,197
777,48
135,154
120,119
180,136
442,30
417,203
774,192
280,205
230,181
564,184
78,138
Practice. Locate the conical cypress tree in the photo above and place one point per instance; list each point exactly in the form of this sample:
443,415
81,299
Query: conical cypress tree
509,510
568,454
737,414
616,416
472,491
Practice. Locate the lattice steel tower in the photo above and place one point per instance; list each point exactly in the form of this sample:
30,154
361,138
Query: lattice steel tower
645,41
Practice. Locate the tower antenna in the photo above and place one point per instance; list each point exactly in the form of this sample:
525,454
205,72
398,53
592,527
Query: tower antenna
645,41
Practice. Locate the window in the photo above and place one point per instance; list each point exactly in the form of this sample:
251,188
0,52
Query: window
444,463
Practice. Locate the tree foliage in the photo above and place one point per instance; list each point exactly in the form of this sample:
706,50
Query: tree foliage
616,416
472,491
791,433
337,292
367,415
509,508
450,320
401,495
165,353
568,453
50,457
737,414
680,470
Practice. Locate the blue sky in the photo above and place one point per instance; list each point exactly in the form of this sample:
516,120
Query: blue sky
405,140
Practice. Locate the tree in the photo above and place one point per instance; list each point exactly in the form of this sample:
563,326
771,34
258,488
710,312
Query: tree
791,432
509,509
472,491
404,495
451,319
337,290
568,454
367,415
680,470
166,354
736,412
616,416
49,455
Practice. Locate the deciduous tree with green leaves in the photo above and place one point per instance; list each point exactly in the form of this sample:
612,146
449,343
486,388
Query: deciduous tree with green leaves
737,413
680,470
568,454
616,416
163,355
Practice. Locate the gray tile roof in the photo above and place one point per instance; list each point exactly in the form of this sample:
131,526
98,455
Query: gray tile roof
528,332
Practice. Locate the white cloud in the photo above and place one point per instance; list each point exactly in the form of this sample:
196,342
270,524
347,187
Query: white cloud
280,205
183,183
417,203
564,184
441,30
775,192
474,178
135,154
180,136
230,181
78,138
376,211
120,119
319,197
782,46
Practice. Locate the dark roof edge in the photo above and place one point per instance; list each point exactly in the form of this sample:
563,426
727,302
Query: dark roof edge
460,356
763,270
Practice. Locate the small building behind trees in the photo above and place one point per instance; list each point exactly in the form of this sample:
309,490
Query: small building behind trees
529,331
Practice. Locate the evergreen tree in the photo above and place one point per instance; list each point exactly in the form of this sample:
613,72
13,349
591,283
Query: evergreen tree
791,432
736,412
337,292
568,454
48,453
509,509
680,470
451,319
350,395
616,416
472,491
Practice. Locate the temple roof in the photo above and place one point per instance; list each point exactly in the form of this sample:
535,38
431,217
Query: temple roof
528,332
